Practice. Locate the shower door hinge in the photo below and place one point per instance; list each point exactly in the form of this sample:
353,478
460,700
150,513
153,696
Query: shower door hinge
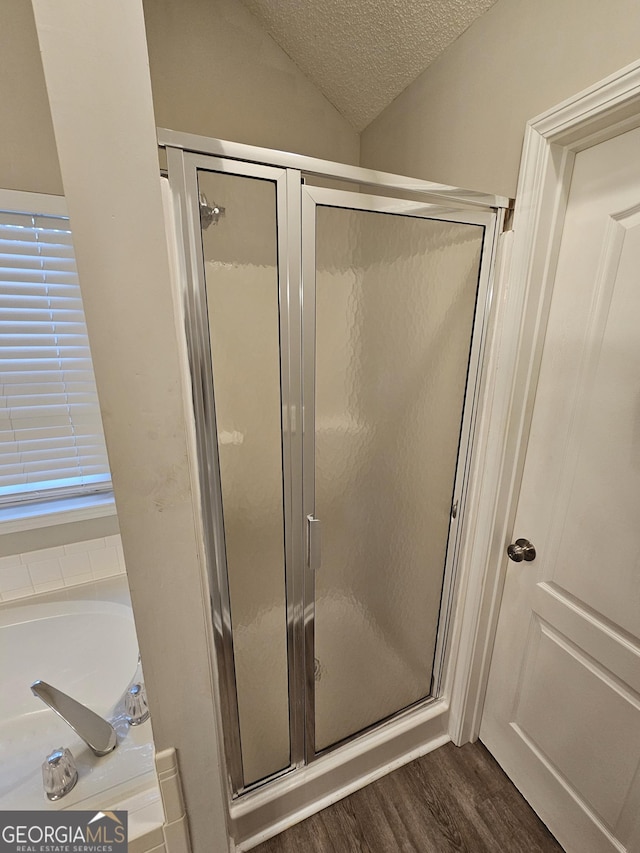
454,509
314,555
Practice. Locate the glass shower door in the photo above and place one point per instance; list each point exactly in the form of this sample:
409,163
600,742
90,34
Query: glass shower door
239,324
390,297
331,349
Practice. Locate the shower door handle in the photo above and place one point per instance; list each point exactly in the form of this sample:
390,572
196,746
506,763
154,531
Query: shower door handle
314,551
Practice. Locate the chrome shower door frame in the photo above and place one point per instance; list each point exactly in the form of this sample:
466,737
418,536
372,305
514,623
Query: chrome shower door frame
183,168
186,154
313,197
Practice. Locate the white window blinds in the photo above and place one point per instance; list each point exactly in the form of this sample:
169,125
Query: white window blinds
51,436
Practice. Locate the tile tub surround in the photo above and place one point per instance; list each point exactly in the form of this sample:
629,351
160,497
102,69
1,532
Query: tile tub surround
35,572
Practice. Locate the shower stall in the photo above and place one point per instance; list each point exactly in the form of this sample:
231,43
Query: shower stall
336,320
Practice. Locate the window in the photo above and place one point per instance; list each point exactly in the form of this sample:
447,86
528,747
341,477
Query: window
50,426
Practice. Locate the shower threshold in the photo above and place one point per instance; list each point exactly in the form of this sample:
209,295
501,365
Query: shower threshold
285,801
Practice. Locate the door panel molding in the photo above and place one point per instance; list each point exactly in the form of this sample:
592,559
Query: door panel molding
618,652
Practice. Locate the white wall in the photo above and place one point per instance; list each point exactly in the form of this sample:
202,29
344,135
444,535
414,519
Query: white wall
94,57
216,72
462,121
28,158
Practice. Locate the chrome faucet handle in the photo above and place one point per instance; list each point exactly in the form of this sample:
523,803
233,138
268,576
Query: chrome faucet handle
135,703
98,734
59,773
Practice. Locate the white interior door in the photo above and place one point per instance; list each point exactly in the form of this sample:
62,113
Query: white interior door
562,714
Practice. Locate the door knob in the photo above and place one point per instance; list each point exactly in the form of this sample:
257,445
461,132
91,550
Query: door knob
521,550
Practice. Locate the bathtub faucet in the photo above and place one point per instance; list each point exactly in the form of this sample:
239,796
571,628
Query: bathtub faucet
97,733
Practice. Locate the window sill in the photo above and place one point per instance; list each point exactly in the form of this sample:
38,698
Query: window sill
14,519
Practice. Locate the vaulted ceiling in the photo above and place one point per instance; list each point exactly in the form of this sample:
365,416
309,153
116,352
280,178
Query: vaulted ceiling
362,53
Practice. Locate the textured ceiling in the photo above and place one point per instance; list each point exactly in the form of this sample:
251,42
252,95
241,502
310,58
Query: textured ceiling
363,53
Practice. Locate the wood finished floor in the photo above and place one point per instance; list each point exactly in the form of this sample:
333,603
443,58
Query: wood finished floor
449,801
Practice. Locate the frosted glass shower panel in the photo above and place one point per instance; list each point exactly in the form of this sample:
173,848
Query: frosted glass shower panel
241,273
395,303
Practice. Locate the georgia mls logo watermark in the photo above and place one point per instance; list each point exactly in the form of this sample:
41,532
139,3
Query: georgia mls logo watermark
63,832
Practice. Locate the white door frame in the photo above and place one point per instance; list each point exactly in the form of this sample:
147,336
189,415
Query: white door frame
525,283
